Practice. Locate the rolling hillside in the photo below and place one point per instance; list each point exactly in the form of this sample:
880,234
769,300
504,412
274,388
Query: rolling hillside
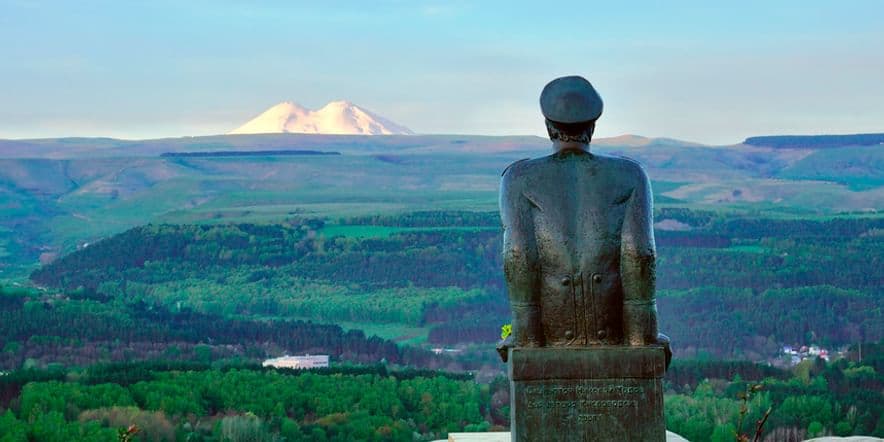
59,194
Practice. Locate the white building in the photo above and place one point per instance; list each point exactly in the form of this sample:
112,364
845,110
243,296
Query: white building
298,362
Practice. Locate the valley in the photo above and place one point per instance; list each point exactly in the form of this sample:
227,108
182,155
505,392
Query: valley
206,255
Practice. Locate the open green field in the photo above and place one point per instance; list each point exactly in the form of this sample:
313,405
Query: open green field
400,333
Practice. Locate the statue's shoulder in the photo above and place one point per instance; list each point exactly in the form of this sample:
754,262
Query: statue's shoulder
515,169
624,166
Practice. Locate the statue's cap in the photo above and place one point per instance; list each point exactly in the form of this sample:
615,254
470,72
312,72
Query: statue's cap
570,100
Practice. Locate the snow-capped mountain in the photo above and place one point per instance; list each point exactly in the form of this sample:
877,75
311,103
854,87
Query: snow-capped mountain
337,117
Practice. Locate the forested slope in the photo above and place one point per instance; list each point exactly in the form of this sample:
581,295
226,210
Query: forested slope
730,286
83,327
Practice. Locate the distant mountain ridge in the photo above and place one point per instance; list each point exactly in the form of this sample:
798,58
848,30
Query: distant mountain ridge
335,118
794,147
241,153
347,144
632,140
815,141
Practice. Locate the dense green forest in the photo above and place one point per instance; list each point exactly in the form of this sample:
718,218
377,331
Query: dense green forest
83,327
225,400
193,405
730,286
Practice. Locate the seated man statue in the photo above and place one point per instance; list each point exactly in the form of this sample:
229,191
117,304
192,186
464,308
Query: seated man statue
578,236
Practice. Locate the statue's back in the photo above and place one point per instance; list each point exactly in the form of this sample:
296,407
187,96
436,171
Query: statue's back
585,359
577,202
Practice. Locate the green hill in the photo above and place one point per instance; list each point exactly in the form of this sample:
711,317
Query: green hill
729,286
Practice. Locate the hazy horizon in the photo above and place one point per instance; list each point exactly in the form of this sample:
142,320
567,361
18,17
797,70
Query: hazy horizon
691,71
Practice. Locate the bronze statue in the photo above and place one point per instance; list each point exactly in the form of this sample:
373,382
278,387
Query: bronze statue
578,236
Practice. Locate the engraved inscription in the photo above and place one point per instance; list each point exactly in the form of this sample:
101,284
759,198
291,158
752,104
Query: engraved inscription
581,418
612,409
583,404
586,402
584,389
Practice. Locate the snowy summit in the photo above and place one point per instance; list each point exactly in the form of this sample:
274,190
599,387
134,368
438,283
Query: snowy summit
337,117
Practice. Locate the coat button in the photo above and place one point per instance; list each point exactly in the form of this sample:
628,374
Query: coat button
566,281
596,278
601,334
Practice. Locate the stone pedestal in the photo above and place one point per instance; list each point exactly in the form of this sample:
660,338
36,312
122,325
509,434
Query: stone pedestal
604,393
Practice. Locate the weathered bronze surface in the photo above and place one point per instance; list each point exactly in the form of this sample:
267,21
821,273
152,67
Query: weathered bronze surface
579,251
578,242
579,260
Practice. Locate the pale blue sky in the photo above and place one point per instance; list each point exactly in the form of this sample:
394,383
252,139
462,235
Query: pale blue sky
708,71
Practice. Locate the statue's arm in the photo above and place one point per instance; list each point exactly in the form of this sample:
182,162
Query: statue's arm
520,262
637,265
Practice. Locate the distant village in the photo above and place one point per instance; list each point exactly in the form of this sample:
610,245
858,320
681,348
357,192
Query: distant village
792,356
298,362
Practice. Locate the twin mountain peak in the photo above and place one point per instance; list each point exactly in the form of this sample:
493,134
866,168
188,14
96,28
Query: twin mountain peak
345,118
337,117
